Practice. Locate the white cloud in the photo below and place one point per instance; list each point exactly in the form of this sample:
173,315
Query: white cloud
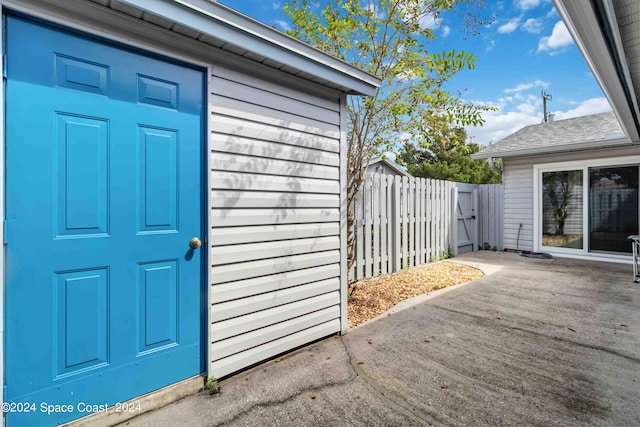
510,118
526,86
430,21
557,41
282,25
552,13
527,4
510,26
499,124
276,5
433,23
389,155
532,25
585,108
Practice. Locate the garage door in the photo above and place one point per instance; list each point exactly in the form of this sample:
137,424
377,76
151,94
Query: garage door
103,195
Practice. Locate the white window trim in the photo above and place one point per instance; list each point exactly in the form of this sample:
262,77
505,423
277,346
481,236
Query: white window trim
583,165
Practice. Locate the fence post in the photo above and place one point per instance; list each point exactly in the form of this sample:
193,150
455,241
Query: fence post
395,235
419,221
432,221
411,226
376,225
405,224
454,220
475,213
359,220
368,223
384,221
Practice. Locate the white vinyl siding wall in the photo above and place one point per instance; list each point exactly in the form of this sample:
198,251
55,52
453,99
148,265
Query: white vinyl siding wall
518,204
274,226
518,190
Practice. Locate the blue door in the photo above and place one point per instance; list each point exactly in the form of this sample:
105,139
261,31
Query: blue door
103,195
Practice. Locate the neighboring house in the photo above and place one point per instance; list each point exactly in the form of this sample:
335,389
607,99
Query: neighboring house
571,186
173,183
386,167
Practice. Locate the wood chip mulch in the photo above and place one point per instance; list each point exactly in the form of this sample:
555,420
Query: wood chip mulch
375,296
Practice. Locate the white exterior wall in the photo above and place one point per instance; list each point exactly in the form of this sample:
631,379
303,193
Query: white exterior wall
518,179
274,234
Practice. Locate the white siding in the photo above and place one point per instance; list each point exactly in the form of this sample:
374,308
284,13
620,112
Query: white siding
518,204
274,239
490,215
518,190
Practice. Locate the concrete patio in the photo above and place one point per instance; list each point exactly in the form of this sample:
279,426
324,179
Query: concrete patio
534,342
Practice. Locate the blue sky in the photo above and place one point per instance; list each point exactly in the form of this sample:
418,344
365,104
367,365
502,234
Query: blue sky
525,50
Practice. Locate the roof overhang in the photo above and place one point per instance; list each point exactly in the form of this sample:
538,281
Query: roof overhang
220,27
594,28
253,37
565,148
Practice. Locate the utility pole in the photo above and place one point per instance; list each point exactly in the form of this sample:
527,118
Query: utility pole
545,97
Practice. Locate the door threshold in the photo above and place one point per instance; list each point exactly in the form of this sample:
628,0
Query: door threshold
124,411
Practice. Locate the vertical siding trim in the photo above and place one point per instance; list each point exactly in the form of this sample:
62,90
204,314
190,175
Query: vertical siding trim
343,215
536,208
2,218
207,222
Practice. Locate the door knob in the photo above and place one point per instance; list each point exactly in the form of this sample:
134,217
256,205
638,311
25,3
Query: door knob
195,243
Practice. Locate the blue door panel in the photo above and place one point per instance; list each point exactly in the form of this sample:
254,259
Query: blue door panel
81,340
82,177
158,190
157,92
75,73
103,193
157,315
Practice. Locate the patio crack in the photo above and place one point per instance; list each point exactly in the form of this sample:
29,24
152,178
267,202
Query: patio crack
396,404
356,374
284,400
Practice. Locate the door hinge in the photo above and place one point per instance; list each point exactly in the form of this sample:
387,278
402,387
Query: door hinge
4,231
4,67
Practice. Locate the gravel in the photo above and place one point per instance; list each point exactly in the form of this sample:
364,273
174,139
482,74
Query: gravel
373,297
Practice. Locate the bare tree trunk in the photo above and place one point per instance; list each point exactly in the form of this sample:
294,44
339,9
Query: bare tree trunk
357,162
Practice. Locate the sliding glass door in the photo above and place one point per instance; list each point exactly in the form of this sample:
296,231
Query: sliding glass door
613,207
562,215
587,207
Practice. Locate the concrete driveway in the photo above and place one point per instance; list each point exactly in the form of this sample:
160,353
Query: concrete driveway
534,342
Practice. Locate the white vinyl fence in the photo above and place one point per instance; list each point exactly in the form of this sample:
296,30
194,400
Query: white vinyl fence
405,222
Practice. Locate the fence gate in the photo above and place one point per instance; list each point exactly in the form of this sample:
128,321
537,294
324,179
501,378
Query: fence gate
466,208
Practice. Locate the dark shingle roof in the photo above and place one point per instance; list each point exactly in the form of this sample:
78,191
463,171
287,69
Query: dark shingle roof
594,131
